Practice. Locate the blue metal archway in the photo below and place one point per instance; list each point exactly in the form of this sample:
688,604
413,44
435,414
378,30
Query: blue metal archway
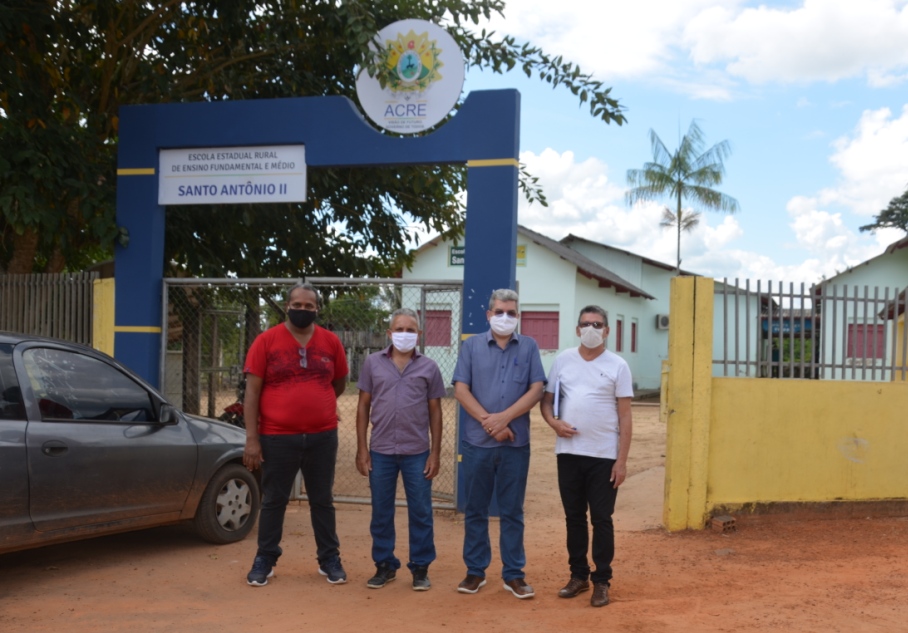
484,135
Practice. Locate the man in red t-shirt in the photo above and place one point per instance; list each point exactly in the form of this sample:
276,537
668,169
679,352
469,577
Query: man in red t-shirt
294,373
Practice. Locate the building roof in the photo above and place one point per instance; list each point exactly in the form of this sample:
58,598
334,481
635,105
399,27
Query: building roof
895,246
896,307
585,266
652,262
902,243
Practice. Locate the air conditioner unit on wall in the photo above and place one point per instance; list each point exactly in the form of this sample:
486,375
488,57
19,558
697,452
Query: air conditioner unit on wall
661,321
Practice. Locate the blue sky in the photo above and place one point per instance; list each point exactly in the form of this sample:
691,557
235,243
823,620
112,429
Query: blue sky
811,94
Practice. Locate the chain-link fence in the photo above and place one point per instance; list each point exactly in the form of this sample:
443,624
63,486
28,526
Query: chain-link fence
210,324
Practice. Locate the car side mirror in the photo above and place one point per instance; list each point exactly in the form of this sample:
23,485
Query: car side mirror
168,415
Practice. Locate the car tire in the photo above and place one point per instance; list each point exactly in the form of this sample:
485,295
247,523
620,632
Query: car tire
229,506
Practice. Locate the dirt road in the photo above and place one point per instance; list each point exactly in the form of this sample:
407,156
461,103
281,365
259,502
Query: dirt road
824,575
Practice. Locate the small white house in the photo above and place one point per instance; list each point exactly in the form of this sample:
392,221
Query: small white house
862,309
555,280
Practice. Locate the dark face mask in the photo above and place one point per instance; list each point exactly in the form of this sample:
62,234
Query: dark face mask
302,318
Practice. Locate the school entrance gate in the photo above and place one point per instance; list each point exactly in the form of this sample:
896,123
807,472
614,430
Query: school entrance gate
211,323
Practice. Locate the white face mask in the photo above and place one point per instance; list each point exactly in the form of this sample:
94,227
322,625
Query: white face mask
503,324
404,341
590,337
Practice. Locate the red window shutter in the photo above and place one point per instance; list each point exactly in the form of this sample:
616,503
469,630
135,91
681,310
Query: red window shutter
542,327
438,328
619,335
866,341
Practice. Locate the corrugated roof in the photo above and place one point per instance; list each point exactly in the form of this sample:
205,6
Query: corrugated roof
652,262
585,266
902,243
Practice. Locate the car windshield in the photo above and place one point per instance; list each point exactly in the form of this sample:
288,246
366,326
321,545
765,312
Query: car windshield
72,386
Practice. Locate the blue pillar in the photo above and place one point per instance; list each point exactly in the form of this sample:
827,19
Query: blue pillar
140,264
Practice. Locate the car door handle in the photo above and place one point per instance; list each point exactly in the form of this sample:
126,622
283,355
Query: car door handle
54,448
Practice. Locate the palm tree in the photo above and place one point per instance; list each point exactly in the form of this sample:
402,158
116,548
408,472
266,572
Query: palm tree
687,175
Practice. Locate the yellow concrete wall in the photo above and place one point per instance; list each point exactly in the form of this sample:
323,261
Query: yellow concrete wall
103,316
732,442
806,440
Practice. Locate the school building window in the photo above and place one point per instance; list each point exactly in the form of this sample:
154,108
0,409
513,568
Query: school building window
866,341
541,326
438,328
634,336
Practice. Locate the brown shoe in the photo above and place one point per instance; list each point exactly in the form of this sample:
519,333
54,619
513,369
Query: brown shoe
574,588
519,588
600,595
471,584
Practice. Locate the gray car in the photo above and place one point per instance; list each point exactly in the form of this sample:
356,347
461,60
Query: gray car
88,448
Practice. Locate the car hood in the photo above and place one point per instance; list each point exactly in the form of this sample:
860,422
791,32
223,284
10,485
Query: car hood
207,430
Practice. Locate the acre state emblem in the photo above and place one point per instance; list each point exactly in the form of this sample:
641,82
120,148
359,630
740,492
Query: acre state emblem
412,62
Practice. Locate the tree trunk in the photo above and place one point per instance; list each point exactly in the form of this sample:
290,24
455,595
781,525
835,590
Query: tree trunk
680,219
678,248
25,247
57,262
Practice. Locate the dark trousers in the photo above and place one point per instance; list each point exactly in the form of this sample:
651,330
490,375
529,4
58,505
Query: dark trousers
584,483
285,455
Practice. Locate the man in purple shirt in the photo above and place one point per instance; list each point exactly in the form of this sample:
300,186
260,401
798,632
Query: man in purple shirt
400,390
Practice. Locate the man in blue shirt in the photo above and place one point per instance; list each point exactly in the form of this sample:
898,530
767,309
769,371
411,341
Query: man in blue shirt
497,381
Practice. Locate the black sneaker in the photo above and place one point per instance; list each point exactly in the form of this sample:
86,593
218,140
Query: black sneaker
262,570
383,575
421,579
334,571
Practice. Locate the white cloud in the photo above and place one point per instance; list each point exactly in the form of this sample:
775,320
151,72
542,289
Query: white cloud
821,40
873,163
816,40
606,37
584,201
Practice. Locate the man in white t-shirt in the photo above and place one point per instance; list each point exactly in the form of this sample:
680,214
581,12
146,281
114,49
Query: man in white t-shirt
588,405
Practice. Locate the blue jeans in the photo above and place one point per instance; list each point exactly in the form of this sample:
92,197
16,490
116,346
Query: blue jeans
285,455
502,469
584,483
383,482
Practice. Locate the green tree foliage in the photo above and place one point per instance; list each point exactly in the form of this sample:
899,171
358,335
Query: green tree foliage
687,175
66,66
895,216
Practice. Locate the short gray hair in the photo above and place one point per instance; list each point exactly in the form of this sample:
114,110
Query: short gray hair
592,309
304,285
502,294
403,312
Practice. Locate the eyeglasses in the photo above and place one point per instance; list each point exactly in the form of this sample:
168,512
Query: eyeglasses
596,325
510,313
303,362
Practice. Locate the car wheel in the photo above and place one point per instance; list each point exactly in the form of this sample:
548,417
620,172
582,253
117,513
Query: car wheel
229,506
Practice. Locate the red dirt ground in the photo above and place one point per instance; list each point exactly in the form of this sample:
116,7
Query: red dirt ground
786,575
